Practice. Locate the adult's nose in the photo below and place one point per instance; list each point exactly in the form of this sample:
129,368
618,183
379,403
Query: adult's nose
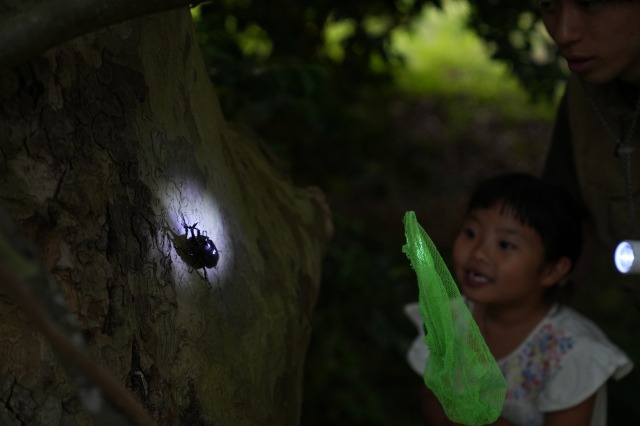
566,24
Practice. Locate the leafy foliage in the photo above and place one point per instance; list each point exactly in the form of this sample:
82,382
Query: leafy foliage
445,58
276,72
515,30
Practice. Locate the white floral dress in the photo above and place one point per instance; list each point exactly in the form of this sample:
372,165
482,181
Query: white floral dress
563,361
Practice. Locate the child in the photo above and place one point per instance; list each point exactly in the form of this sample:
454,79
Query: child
517,246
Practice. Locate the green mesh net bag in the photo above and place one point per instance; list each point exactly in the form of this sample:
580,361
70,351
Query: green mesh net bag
461,371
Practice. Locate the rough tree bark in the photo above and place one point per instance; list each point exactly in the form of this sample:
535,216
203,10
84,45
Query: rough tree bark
106,143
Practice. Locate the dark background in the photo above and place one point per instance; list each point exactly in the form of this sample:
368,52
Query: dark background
377,150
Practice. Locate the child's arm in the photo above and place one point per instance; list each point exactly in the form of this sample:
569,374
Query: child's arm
578,415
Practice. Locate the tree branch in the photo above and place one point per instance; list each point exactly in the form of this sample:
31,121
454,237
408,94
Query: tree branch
28,33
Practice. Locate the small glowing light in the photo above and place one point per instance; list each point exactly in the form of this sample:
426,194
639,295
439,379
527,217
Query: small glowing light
625,257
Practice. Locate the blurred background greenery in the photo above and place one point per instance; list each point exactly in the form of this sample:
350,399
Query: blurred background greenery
389,106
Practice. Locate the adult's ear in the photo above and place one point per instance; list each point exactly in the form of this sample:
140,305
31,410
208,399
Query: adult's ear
556,271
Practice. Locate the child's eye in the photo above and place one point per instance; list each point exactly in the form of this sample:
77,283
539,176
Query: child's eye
468,232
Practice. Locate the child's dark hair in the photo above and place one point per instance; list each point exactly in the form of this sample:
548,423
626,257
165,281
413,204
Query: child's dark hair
547,208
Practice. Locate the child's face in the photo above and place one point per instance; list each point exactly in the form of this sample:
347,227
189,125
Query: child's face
600,39
500,261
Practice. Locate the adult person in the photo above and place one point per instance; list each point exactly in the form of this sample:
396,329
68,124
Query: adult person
595,150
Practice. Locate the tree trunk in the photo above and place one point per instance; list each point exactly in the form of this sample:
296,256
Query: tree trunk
109,145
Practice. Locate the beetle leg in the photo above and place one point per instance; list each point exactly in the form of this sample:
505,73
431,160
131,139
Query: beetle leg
184,224
205,277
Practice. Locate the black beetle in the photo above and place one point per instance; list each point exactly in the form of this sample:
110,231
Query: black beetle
199,250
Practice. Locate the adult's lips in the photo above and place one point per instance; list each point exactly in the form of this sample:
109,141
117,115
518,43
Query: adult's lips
579,64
